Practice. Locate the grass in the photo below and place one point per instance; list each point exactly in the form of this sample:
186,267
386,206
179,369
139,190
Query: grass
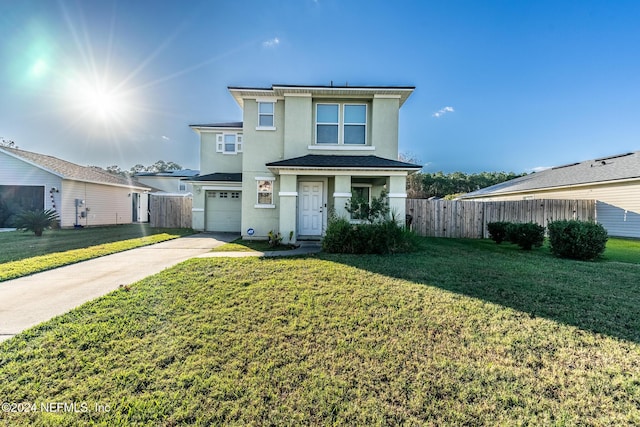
23,253
242,245
459,333
623,250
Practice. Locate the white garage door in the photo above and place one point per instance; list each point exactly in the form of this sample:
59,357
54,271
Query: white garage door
222,212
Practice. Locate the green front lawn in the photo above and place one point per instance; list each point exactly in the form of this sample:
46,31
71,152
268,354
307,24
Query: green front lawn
455,334
22,253
623,250
243,245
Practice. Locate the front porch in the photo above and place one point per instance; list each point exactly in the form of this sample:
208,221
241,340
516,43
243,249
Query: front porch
310,194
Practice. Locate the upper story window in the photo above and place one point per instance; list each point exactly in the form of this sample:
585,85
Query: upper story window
266,114
229,143
327,123
355,124
341,124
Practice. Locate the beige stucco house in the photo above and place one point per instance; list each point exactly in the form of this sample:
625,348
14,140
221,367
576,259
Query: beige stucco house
613,181
299,153
81,195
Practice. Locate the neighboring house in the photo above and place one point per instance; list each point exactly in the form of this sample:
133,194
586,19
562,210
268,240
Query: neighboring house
299,153
174,182
614,182
81,195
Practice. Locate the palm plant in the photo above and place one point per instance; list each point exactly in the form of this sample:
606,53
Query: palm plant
36,221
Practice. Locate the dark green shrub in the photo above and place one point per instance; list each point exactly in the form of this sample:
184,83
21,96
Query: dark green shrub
498,231
36,221
383,237
577,239
526,235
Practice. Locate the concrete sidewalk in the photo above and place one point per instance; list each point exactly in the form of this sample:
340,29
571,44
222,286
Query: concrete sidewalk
28,301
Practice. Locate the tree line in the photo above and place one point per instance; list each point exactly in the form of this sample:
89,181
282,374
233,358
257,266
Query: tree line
450,185
159,166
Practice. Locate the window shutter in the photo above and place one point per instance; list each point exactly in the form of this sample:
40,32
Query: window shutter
219,143
239,143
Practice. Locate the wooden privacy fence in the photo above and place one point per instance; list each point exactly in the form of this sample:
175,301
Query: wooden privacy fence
468,219
170,211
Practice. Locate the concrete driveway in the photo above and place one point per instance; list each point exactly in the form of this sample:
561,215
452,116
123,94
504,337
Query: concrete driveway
30,300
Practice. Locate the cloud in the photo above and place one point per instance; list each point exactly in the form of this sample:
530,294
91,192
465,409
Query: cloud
166,138
441,112
271,43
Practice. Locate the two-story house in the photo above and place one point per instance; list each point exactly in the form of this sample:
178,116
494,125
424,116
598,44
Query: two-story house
299,153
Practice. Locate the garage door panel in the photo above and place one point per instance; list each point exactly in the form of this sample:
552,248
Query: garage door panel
223,211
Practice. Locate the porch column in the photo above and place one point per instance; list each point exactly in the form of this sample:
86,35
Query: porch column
288,197
397,186
342,193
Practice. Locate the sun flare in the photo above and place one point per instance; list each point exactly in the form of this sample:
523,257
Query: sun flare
98,100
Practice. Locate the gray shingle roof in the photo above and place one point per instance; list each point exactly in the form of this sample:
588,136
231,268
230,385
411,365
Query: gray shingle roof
173,174
219,125
219,176
613,168
346,162
72,171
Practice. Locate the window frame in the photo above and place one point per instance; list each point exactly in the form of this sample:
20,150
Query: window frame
272,115
336,124
221,144
341,124
345,123
259,181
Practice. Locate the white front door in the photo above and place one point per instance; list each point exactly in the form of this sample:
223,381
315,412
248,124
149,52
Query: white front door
310,208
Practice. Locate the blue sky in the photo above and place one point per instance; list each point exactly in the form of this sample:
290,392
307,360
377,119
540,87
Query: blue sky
500,85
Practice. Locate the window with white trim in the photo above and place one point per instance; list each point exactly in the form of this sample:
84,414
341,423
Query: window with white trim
327,123
229,143
266,114
341,124
265,192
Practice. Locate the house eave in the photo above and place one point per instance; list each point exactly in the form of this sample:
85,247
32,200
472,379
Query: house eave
551,188
319,91
317,170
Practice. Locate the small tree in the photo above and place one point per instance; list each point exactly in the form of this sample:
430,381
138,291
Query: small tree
36,221
378,210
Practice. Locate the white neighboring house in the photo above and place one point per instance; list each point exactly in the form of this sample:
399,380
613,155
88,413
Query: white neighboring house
81,195
174,182
613,181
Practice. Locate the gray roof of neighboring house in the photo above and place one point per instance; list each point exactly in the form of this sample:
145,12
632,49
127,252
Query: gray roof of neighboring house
71,171
183,173
605,169
337,161
231,125
219,177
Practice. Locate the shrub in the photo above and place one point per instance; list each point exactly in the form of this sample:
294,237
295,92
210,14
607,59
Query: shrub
577,239
383,237
275,239
377,211
526,235
498,231
36,221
